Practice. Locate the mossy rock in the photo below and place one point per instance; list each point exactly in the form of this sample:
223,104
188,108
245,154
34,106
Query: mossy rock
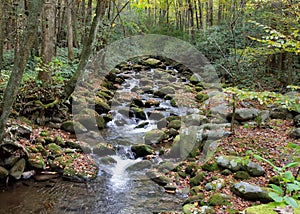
217,199
139,166
201,97
173,117
166,165
175,124
17,170
54,149
195,79
195,198
241,175
226,172
269,208
193,154
168,90
71,126
36,160
158,178
155,136
103,149
188,208
104,94
107,160
91,119
139,113
41,149
192,168
3,173
152,102
210,167
45,133
101,106
196,180
141,150
195,190
87,171
173,102
59,141
59,163
162,123
182,174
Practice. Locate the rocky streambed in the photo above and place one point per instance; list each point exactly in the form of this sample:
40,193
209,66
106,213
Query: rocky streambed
144,130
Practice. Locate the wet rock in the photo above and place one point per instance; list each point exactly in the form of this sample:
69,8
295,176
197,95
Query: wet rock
137,102
154,136
45,177
250,192
159,179
103,149
295,133
17,170
297,120
218,199
36,160
90,119
142,125
101,106
139,113
3,173
144,164
162,123
245,114
155,115
28,174
141,150
108,160
173,102
71,126
151,102
175,124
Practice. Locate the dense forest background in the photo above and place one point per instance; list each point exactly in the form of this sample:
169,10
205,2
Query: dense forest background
253,44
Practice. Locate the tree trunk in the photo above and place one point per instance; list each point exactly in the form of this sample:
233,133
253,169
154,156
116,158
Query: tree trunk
1,33
87,49
70,29
200,5
211,13
220,10
48,38
82,21
30,32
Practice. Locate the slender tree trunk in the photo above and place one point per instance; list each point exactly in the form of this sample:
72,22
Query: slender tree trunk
48,38
70,29
211,13
196,14
220,10
75,24
82,21
13,84
87,49
200,5
1,33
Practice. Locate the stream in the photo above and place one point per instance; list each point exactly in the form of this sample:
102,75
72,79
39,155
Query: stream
115,190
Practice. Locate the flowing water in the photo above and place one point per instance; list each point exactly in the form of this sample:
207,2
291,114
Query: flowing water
114,191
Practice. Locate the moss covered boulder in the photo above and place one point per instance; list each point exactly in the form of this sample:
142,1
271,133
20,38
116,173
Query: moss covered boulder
218,199
196,180
175,124
141,150
54,149
104,149
101,106
139,113
17,170
269,208
90,119
36,160
3,173
71,126
201,97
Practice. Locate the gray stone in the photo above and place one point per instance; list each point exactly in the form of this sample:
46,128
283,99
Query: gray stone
295,133
151,62
245,114
297,120
154,136
3,172
141,150
195,120
103,149
144,164
71,126
254,169
250,192
17,170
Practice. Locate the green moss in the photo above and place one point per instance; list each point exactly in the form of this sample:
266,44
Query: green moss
175,124
36,160
195,181
41,149
210,167
191,169
201,97
173,102
217,200
54,149
195,190
269,208
45,133
242,175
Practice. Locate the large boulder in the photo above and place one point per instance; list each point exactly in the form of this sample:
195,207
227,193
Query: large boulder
71,126
245,114
234,163
17,170
250,192
295,133
90,119
3,173
141,165
141,150
154,136
103,149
